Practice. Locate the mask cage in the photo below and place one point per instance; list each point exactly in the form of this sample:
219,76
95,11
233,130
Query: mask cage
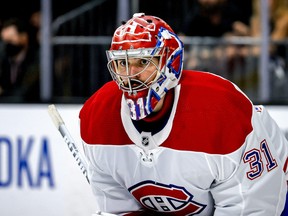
127,81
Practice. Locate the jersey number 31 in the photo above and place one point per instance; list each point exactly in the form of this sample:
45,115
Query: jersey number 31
254,158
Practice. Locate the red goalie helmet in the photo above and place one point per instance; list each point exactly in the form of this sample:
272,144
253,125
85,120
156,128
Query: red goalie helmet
146,38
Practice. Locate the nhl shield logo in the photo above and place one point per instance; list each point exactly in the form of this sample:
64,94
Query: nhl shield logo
145,140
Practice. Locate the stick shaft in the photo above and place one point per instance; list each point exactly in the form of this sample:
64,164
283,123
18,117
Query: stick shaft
74,150
60,125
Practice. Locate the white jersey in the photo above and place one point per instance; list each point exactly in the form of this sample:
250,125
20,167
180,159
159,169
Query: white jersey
216,155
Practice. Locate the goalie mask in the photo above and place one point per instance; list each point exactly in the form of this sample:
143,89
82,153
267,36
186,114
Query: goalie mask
145,46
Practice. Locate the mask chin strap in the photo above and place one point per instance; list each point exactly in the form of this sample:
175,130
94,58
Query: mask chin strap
153,101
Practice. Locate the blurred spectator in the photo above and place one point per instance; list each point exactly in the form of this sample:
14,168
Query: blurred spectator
214,22
35,25
19,68
215,18
278,20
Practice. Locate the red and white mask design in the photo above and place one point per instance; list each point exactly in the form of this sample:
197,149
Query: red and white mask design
145,59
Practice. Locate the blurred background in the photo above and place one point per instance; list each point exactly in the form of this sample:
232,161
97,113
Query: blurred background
62,59
53,51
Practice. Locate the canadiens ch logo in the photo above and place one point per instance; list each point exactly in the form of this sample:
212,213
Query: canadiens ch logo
166,198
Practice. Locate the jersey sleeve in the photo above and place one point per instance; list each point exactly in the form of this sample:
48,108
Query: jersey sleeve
109,194
276,135
101,129
251,180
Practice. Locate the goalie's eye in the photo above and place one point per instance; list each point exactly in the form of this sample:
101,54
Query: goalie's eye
144,62
138,63
122,63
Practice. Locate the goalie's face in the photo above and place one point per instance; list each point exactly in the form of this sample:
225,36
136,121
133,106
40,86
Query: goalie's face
135,74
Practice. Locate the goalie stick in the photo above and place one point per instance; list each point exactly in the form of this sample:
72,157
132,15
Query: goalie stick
80,159
61,127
